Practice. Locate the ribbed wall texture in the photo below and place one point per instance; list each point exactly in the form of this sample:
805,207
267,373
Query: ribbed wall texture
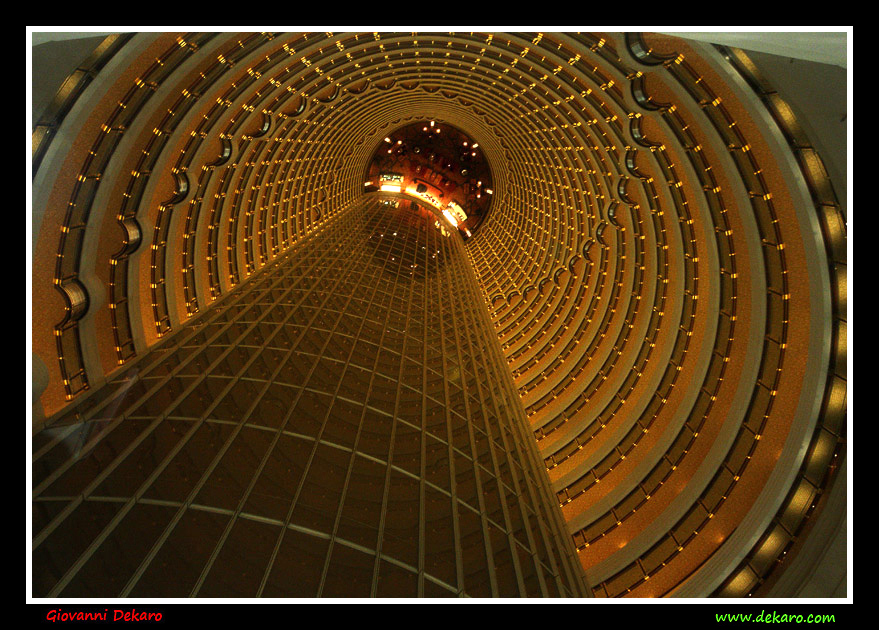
664,263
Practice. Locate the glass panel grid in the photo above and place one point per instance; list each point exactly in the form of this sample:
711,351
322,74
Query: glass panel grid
344,411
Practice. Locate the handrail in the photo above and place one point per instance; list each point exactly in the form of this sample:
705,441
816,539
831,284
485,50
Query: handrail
47,125
827,447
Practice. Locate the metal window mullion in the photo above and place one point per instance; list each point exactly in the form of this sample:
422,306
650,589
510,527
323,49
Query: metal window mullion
212,466
124,454
481,393
430,281
185,337
134,444
513,455
386,492
453,253
466,307
214,463
461,365
362,415
317,439
278,432
198,380
232,437
456,525
57,439
523,456
188,331
136,496
431,291
529,460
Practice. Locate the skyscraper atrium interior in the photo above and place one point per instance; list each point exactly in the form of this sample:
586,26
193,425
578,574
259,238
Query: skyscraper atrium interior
423,314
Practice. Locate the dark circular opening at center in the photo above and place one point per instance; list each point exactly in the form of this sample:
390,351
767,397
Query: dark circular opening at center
439,165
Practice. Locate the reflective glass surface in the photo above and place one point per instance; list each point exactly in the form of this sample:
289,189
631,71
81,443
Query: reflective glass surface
342,426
